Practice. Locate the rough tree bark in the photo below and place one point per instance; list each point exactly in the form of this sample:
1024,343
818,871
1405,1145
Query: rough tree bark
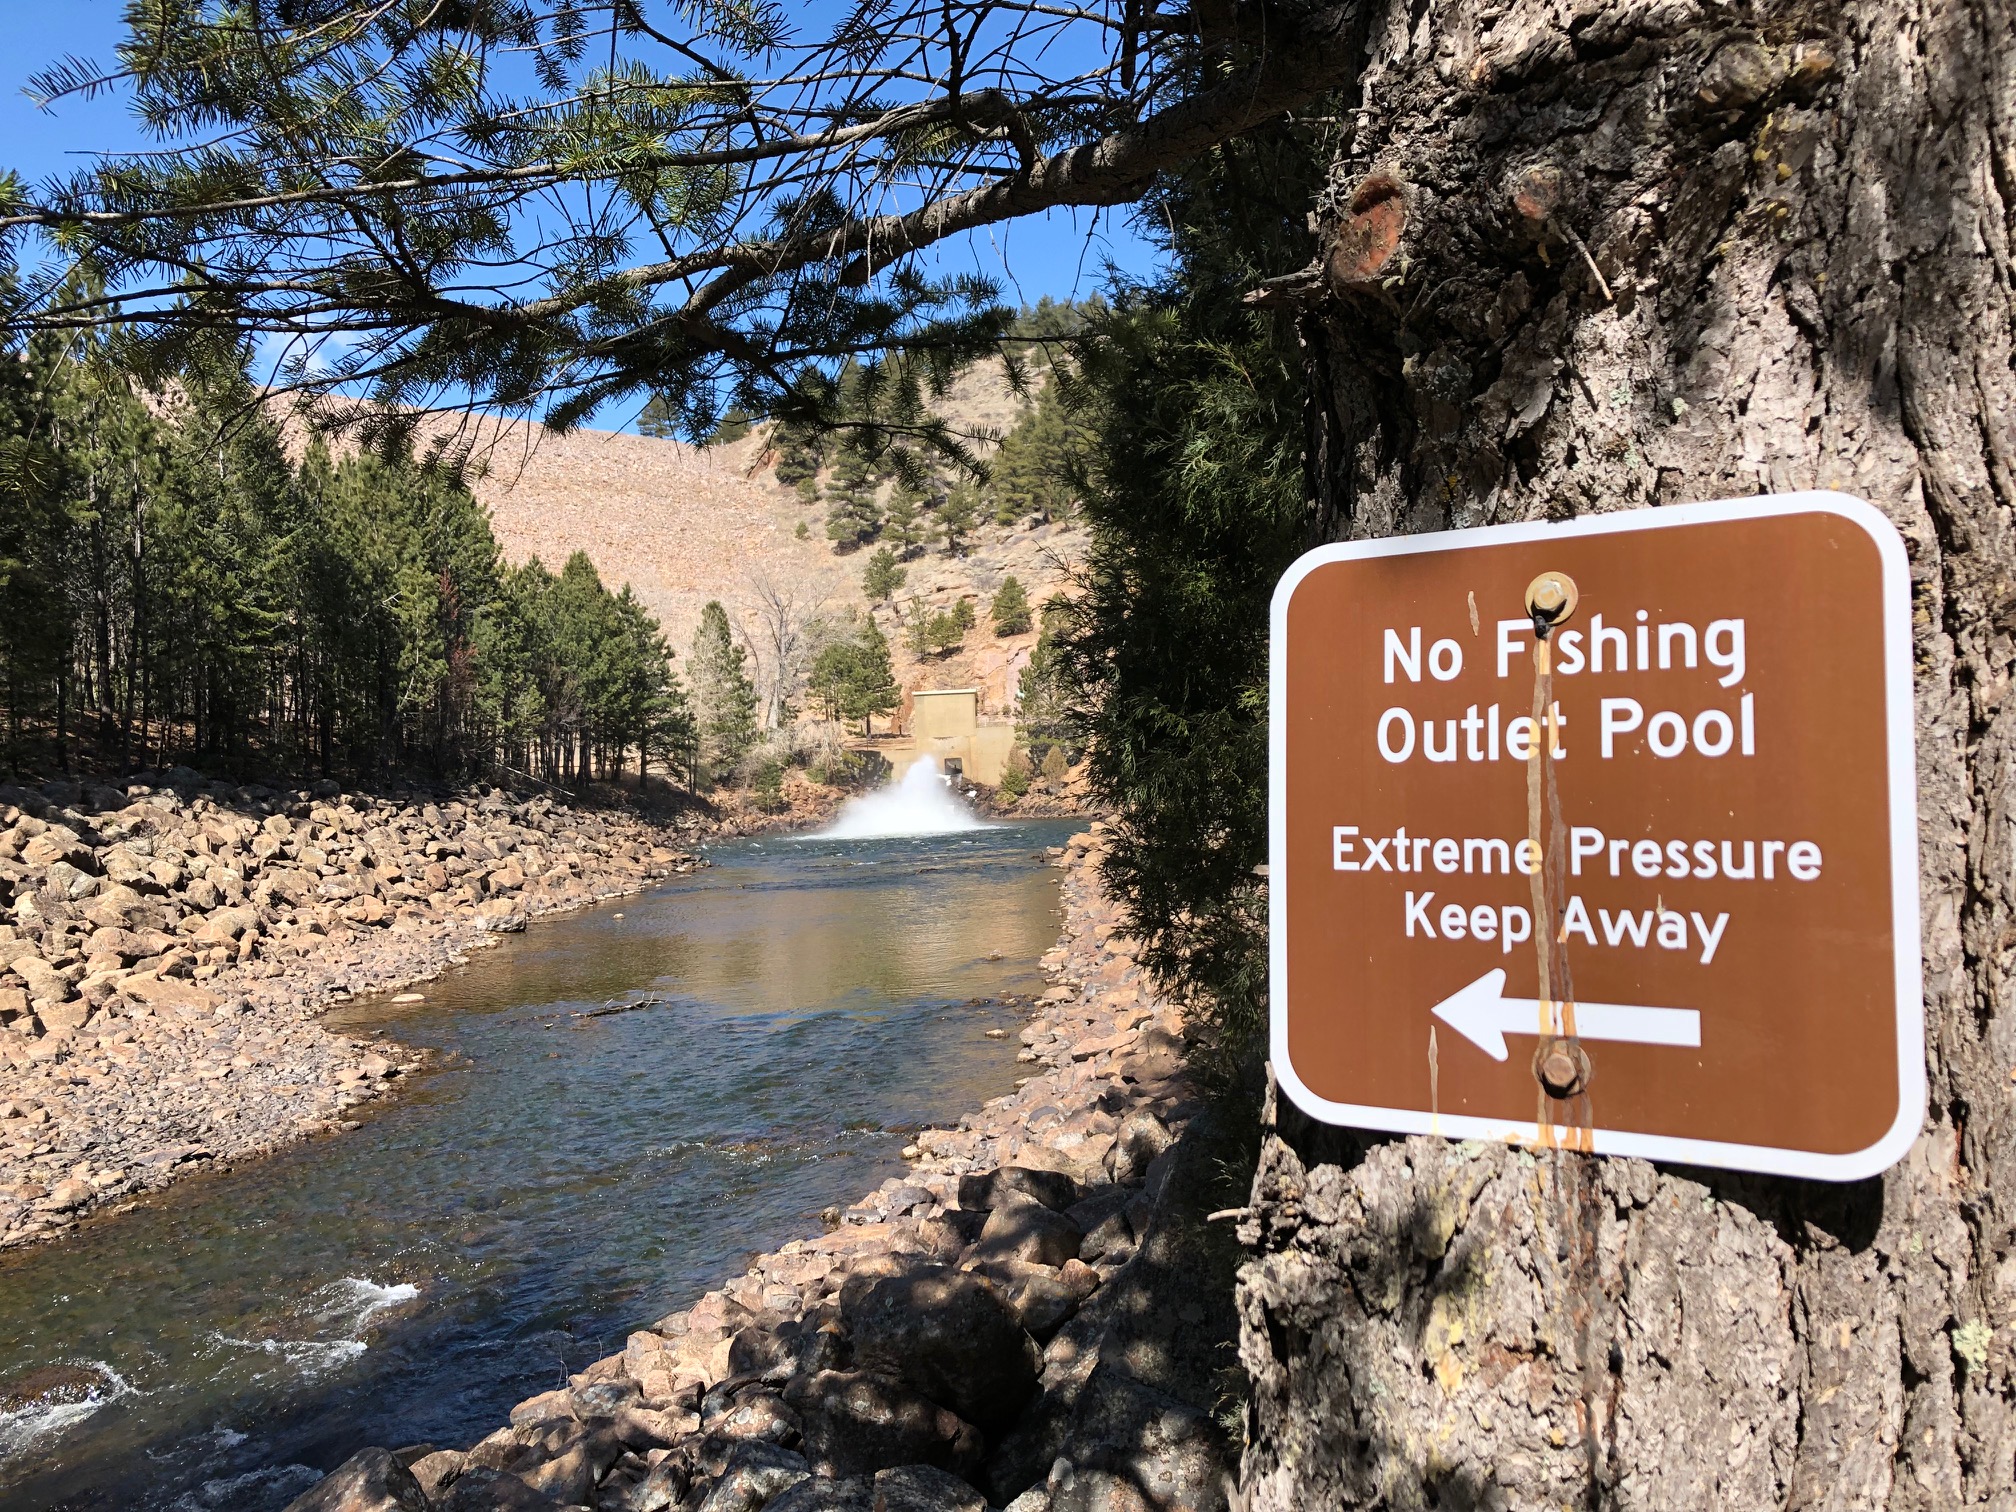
1584,255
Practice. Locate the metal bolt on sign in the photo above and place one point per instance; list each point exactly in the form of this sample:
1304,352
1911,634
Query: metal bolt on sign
1551,599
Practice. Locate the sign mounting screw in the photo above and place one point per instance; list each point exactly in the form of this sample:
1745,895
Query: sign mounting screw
1550,599
1563,1068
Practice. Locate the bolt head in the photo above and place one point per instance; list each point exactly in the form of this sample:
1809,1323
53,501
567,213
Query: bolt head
1551,598
1562,1068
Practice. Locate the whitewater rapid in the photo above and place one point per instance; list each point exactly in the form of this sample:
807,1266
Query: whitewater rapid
923,803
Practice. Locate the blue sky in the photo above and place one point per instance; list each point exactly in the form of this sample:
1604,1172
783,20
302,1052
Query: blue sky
1061,255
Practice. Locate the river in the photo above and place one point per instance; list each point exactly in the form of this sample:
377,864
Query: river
557,1181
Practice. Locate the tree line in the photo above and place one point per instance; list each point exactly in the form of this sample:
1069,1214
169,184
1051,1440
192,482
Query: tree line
176,587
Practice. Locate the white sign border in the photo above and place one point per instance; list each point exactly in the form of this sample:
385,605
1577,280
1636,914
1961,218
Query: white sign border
1903,766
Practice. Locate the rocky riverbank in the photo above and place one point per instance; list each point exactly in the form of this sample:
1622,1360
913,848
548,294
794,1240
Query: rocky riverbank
1035,1316
167,946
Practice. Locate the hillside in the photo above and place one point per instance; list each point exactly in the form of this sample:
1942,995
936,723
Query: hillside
684,524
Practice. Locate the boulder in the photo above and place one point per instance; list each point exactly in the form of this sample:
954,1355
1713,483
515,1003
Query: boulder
753,1476
921,1488
371,1480
570,1476
818,1495
1133,1449
500,916
58,846
168,993
45,983
597,1399
659,1491
757,1351
855,1423
987,1189
1021,1230
436,1472
116,906
225,925
742,1412
482,1489
63,1018
950,1336
1041,1301
69,1194
114,940
70,881
127,869
1136,1143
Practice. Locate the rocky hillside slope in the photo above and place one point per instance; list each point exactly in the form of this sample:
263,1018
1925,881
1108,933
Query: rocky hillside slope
683,524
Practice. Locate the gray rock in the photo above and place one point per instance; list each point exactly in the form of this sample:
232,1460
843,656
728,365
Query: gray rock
436,1472
947,1334
987,1189
1133,1449
1041,1303
663,1488
920,1488
604,1398
1020,1229
747,1410
371,1480
1136,1144
856,1424
856,1494
753,1476
482,1489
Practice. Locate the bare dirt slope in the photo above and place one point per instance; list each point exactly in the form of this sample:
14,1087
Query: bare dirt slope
683,524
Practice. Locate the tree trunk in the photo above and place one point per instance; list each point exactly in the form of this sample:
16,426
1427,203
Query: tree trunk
1585,257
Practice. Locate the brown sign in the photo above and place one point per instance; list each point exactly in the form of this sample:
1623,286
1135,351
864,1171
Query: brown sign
1646,888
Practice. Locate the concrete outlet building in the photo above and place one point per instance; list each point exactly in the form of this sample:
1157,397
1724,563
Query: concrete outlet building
945,722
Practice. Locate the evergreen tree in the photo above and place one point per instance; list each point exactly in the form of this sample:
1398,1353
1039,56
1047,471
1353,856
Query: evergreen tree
933,632
173,588
963,615
882,577
733,427
852,515
874,690
854,679
658,419
1031,474
724,698
1010,610
903,525
956,517
800,455
1045,712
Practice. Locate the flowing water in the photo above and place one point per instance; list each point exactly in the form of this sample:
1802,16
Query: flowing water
923,803
559,1180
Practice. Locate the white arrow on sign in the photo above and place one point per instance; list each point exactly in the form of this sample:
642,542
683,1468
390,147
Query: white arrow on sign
1484,1016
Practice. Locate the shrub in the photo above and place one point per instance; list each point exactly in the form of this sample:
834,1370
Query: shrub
1015,776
